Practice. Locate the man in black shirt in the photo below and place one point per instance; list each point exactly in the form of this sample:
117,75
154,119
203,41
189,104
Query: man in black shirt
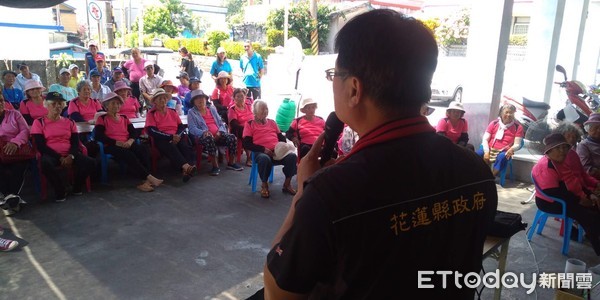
403,200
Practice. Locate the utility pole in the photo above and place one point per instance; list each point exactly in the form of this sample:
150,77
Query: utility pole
87,15
314,35
110,35
141,26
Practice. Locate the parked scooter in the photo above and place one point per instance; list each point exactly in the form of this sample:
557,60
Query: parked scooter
528,111
579,104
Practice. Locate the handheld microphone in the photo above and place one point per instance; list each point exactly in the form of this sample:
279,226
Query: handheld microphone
333,130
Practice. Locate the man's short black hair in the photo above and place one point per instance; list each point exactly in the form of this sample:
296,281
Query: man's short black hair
393,55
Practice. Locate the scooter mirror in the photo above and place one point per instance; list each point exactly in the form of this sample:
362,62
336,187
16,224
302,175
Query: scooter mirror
560,68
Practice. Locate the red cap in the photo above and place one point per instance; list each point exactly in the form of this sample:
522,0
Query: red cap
99,56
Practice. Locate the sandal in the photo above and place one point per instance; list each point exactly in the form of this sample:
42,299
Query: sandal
145,187
264,192
189,173
288,190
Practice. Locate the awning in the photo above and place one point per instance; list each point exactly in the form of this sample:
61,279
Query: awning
30,3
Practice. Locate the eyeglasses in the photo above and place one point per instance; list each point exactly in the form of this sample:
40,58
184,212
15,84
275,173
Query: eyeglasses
331,73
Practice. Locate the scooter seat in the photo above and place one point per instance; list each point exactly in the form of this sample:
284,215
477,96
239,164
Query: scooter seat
536,104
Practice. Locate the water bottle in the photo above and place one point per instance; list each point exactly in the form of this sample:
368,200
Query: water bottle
286,114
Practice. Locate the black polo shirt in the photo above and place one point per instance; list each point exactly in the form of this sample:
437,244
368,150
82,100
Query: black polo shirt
364,227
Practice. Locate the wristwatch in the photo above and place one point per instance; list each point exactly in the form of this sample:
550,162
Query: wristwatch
72,156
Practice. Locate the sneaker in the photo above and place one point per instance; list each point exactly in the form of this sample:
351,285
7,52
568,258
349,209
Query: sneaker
235,167
7,245
214,171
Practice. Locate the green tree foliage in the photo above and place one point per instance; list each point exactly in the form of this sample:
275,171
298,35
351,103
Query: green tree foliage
518,40
300,22
454,30
274,37
200,25
235,12
157,20
214,39
181,16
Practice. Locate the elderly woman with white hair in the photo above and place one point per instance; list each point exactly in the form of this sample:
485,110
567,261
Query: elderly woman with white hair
57,140
118,135
260,136
589,149
305,130
84,107
501,139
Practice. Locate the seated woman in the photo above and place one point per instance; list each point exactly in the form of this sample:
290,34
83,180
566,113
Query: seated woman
175,101
239,114
57,140
33,107
305,130
118,136
556,178
130,107
83,108
589,149
208,130
260,136
501,139
164,126
222,95
14,132
194,85
454,126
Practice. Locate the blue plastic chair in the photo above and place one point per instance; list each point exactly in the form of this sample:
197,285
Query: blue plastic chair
540,221
104,157
254,174
509,165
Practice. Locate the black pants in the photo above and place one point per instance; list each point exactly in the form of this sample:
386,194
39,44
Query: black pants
12,177
135,90
83,165
179,154
254,92
303,149
588,218
265,163
137,158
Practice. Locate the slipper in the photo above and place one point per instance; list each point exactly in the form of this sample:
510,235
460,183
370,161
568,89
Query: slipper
288,190
145,187
264,192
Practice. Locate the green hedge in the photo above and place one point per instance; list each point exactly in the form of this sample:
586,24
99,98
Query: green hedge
236,49
173,44
274,37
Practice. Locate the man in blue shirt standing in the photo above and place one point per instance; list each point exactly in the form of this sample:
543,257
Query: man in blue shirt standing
252,66
90,57
105,74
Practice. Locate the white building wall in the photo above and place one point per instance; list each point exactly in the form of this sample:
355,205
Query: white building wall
22,43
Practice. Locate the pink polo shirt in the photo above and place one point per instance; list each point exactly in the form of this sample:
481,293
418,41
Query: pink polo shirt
34,110
226,95
242,116
166,123
87,111
309,130
57,133
136,71
509,135
263,134
130,108
116,130
451,132
13,128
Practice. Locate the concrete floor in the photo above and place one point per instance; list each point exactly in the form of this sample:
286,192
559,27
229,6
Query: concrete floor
206,239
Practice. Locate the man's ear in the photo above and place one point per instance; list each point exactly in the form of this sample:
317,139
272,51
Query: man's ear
356,91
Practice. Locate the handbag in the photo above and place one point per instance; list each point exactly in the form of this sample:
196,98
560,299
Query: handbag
25,152
506,224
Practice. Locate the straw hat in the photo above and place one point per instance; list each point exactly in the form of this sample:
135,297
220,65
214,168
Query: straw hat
223,74
307,101
166,83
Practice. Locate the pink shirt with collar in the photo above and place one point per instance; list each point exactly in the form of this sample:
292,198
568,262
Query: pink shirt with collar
34,110
263,134
13,128
87,111
57,133
130,108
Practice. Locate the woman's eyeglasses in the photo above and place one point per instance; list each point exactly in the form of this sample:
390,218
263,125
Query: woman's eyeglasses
331,73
